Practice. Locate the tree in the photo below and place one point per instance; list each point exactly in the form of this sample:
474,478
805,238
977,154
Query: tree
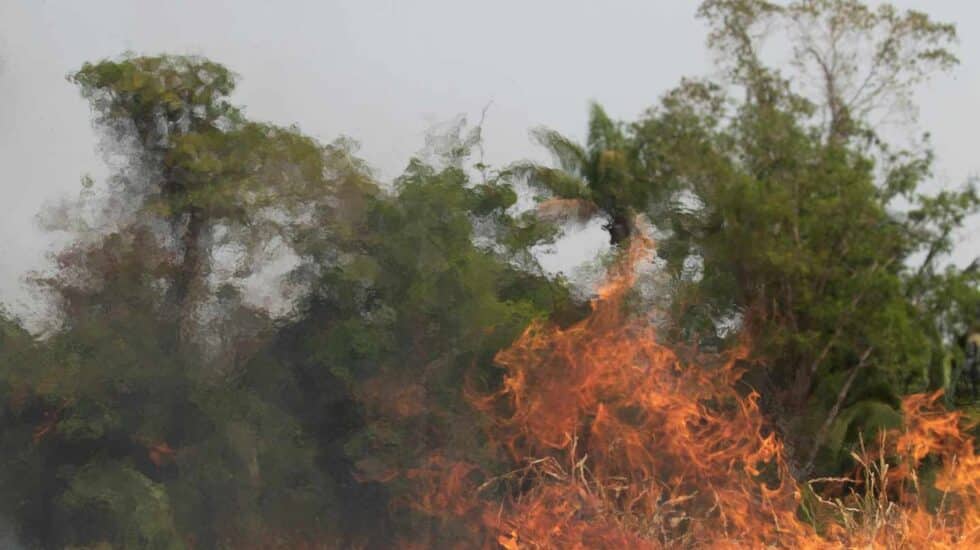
786,223
129,423
398,318
593,177
116,439
795,229
167,411
197,167
853,62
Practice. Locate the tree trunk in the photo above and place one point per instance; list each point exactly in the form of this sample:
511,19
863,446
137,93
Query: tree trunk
620,227
189,275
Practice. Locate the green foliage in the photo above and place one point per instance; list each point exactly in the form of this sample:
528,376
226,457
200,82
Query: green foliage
796,229
787,223
122,429
410,312
116,438
115,502
598,172
248,430
855,64
793,236
166,412
199,167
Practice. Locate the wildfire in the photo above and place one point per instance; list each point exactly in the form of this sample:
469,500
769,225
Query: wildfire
617,442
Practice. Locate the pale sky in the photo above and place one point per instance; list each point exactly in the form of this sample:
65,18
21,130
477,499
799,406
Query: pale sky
383,71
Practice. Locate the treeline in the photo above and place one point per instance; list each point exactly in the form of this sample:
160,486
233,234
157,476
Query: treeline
167,411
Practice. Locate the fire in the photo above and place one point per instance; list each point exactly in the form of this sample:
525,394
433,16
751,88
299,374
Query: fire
619,442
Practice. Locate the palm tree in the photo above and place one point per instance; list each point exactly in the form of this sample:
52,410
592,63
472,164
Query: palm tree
587,179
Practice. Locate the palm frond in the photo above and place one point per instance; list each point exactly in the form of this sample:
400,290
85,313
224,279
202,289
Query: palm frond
559,183
569,156
604,133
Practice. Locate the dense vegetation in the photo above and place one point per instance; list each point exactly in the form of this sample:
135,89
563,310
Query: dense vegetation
168,411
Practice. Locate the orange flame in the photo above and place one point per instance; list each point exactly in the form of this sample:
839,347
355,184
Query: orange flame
619,443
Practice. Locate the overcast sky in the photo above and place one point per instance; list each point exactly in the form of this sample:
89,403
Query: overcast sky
382,71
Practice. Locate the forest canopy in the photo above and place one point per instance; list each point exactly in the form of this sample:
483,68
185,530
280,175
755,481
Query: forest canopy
778,310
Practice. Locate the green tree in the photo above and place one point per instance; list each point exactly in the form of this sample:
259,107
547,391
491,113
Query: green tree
129,423
114,438
785,211
597,174
396,322
197,166
797,228
856,64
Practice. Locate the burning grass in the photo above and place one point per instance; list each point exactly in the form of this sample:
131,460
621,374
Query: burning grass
617,442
